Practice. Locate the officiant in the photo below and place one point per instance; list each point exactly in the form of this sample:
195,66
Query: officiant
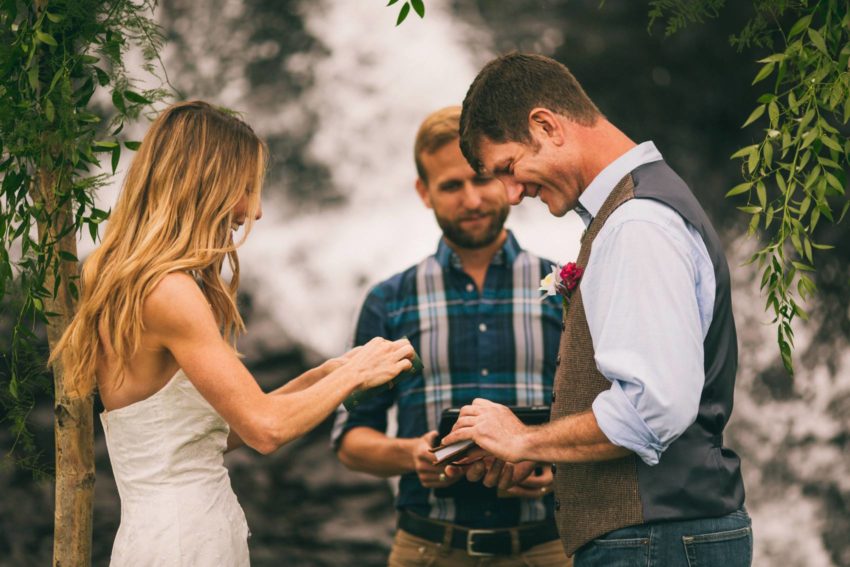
472,311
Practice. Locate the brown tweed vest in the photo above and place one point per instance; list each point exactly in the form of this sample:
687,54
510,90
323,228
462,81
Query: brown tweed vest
592,498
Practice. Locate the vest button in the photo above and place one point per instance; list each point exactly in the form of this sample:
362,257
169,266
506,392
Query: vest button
554,468
557,504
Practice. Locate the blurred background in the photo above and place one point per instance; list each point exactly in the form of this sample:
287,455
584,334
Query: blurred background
338,92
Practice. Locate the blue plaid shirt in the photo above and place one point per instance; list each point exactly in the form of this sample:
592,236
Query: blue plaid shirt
500,344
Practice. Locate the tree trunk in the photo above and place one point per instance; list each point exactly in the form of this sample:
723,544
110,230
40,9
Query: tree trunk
73,422
73,426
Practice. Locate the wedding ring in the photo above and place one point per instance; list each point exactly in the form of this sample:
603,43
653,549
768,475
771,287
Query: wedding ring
442,477
543,490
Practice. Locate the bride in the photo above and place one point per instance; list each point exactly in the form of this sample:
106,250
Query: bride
155,329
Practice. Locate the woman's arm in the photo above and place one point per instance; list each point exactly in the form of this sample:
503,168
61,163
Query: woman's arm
298,383
178,317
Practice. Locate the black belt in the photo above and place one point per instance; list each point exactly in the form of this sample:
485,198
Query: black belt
498,541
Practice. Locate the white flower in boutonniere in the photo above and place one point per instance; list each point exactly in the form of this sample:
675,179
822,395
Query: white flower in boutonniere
549,284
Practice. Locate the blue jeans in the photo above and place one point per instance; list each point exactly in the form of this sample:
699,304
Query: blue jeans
726,541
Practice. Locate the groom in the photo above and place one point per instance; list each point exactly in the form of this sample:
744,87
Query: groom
648,356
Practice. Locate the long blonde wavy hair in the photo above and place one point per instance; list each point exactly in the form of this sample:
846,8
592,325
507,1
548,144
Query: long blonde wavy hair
175,213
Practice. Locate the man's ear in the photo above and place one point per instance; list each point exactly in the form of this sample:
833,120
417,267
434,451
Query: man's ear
544,124
422,190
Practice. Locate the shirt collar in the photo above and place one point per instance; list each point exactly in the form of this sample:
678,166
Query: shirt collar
597,192
504,256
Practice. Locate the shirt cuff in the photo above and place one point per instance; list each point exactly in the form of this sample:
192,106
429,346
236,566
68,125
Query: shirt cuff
623,426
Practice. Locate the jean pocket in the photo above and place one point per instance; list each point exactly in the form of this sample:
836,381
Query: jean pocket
623,552
733,548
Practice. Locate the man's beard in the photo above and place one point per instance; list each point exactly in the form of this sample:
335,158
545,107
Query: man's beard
452,230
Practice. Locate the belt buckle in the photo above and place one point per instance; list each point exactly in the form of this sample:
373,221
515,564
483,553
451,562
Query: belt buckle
470,543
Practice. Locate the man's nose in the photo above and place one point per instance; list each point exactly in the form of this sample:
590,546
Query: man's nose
515,190
471,196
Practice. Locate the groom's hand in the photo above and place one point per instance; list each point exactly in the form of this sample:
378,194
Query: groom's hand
431,475
493,427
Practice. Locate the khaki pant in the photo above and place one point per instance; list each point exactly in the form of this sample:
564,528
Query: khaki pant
412,551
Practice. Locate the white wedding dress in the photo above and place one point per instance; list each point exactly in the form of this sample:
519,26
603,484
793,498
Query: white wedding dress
177,506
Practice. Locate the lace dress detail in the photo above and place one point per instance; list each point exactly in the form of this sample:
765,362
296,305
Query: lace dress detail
177,505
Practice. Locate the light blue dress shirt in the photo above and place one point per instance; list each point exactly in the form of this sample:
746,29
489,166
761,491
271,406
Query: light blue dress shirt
648,293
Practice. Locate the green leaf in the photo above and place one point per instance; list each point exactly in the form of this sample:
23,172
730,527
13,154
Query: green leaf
136,97
817,41
754,116
32,76
405,10
750,209
744,152
807,117
768,154
773,113
49,111
792,102
804,206
118,101
801,25
104,146
99,215
834,182
753,162
775,58
133,146
754,224
809,137
762,194
802,267
822,246
765,72
828,162
418,7
830,143
46,38
116,156
67,256
102,76
795,241
55,18
738,189
391,2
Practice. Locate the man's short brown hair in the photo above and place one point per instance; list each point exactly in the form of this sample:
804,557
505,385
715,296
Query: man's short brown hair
437,130
503,94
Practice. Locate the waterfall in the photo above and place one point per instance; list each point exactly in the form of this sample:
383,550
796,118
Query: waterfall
339,92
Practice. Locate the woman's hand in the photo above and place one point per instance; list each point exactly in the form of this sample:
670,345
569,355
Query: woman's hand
379,361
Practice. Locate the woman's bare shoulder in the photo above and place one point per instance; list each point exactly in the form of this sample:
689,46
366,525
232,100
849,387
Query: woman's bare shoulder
175,301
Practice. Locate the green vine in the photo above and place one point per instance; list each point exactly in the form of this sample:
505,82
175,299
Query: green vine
417,5
796,174
54,57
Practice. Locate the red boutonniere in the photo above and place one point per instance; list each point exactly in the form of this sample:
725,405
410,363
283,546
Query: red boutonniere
563,282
